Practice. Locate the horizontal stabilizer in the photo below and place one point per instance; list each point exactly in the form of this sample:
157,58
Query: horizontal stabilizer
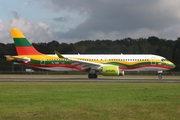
25,59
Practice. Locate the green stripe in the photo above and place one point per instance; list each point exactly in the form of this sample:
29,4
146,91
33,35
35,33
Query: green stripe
49,62
21,42
127,65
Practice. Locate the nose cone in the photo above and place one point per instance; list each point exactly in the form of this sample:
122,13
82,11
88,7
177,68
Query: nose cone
172,65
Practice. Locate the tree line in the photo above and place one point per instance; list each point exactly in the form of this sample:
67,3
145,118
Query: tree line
169,49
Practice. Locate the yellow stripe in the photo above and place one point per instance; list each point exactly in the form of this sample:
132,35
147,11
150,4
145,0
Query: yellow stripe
16,33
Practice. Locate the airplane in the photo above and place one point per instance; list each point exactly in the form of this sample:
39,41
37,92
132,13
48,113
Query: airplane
105,64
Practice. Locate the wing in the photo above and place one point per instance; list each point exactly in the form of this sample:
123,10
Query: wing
85,64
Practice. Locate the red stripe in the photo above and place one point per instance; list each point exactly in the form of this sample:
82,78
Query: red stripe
55,65
147,65
81,67
27,50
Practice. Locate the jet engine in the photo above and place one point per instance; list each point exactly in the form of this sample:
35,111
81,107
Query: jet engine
111,71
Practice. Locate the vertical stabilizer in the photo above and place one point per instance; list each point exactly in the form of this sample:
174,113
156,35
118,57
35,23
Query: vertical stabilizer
23,47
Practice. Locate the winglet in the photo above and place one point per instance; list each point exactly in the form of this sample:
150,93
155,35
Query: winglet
58,54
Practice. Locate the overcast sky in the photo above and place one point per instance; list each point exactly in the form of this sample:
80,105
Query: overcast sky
75,20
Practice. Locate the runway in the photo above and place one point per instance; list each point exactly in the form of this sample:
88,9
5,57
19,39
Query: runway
124,80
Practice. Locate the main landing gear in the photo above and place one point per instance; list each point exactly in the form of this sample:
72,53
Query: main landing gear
92,75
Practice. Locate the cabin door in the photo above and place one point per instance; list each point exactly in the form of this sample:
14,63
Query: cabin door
153,61
105,60
43,61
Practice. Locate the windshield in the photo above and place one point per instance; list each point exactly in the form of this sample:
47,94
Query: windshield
163,60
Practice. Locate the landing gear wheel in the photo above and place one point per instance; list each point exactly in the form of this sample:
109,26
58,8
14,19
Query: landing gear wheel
91,75
95,76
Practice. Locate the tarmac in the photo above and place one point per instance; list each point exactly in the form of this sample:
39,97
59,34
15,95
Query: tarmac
83,78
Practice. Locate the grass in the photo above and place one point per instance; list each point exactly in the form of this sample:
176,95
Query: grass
89,100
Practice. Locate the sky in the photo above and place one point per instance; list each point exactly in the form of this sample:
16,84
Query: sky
71,21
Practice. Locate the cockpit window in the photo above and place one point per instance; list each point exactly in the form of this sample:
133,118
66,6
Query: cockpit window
163,60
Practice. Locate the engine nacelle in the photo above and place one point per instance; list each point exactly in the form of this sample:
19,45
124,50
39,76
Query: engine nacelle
111,71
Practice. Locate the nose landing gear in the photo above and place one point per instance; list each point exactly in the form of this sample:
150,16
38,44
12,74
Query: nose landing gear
160,74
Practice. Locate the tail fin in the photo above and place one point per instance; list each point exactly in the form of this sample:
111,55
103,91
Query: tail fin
23,47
